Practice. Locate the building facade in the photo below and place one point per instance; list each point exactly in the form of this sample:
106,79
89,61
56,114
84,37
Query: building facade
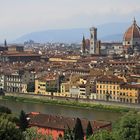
93,40
17,81
118,90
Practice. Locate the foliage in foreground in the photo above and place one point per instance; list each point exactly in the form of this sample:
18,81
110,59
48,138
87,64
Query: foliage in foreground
10,131
127,128
33,134
8,128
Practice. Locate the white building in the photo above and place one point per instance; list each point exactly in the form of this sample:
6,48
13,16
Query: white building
1,81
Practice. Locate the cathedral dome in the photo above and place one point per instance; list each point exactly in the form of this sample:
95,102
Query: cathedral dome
132,33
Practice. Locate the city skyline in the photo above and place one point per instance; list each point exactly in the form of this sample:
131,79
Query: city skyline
21,17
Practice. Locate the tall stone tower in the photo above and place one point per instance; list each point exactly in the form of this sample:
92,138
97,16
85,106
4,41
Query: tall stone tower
83,47
93,40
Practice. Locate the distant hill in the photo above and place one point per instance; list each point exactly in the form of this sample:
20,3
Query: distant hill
106,32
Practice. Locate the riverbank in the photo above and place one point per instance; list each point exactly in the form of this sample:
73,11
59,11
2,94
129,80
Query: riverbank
72,104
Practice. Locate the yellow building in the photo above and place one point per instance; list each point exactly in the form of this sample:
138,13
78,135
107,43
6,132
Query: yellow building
46,84
108,87
57,59
40,87
65,89
129,93
112,88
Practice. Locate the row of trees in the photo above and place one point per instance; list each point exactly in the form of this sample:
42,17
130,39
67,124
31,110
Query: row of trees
77,133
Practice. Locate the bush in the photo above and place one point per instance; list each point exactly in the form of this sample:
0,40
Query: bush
5,110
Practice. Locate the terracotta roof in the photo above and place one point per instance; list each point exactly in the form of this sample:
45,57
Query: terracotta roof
20,54
132,32
110,79
62,123
49,76
131,86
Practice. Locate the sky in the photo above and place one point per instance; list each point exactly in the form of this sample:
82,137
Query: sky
18,17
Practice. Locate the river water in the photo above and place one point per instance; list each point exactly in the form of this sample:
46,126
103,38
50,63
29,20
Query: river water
89,114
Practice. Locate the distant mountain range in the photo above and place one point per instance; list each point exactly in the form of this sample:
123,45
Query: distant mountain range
107,32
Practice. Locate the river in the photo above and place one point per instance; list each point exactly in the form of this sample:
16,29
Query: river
90,114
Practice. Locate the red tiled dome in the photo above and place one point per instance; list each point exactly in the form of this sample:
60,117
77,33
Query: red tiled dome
132,32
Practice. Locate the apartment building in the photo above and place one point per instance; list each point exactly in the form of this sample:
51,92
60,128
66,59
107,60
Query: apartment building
108,88
112,88
18,80
47,84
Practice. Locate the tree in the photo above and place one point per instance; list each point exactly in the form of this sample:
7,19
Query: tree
68,134
31,87
89,131
102,135
23,122
5,110
107,95
9,117
9,130
78,130
128,127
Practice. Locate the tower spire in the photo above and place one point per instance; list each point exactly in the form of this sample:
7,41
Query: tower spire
83,49
134,21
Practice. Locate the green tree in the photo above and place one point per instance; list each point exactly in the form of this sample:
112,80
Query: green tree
9,130
89,131
78,130
102,135
68,134
31,87
5,110
128,127
23,122
10,117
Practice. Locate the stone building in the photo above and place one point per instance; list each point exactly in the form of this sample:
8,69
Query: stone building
17,81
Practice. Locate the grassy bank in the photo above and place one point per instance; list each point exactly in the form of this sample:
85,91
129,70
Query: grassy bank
73,104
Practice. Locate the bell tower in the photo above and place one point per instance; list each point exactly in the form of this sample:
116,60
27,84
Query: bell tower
93,40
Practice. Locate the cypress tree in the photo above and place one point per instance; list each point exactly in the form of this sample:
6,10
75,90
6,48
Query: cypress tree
89,131
23,123
78,130
5,43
